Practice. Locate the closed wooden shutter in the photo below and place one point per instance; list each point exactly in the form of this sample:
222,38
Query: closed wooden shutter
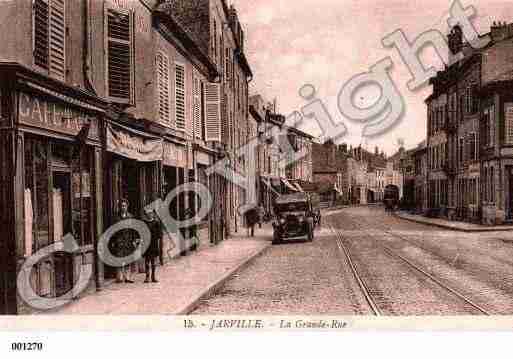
180,102
41,33
197,107
213,112
163,87
119,28
57,39
50,37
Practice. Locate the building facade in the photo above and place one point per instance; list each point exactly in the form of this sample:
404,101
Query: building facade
103,101
468,138
218,31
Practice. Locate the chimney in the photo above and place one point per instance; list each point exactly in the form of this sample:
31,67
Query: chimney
455,39
501,30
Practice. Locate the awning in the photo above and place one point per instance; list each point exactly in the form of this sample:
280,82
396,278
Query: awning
289,185
134,144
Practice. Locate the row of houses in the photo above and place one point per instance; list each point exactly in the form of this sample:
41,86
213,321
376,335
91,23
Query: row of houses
464,169
354,175
103,100
277,172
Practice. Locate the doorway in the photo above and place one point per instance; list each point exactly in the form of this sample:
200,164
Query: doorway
131,188
62,225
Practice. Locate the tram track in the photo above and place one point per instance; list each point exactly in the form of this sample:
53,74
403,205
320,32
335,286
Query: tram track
367,290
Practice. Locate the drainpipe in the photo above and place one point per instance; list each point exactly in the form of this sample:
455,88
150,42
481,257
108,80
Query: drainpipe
87,60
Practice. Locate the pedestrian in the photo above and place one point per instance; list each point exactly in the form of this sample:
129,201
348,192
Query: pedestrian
261,216
124,244
153,251
252,218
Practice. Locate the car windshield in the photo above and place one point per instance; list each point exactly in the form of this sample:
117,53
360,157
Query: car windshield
292,207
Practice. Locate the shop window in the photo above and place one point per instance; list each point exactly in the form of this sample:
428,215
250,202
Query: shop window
49,20
120,63
82,197
180,101
163,85
36,185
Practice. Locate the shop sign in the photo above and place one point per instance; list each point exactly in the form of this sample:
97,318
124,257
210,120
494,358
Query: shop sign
55,116
170,154
202,158
133,146
474,169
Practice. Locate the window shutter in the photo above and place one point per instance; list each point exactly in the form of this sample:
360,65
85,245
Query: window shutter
180,96
213,112
197,107
163,87
119,25
41,33
57,39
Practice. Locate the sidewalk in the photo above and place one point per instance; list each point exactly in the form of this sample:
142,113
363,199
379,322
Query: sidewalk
183,282
454,226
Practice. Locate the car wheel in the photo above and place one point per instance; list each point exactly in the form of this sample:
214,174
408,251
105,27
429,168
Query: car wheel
310,235
276,239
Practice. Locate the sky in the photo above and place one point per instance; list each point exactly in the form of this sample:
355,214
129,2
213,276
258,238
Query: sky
325,43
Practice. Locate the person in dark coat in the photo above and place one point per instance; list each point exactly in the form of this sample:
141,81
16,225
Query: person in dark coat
124,244
252,218
153,251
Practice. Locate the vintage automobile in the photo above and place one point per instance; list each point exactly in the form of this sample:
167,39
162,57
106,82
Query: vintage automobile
391,198
295,218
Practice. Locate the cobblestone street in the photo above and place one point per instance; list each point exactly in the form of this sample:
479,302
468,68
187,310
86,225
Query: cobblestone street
402,268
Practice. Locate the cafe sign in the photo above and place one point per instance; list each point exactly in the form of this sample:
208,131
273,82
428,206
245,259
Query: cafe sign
55,115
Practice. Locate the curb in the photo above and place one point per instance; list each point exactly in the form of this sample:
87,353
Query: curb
212,288
455,229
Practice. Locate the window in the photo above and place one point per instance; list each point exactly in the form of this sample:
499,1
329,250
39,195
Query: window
508,117
486,130
462,108
462,151
468,100
475,98
180,102
492,185
196,107
49,19
119,46
214,43
163,87
472,153
227,65
212,112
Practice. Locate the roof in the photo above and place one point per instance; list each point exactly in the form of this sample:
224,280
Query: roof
292,198
164,12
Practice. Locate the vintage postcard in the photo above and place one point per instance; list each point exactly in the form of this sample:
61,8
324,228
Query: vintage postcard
235,165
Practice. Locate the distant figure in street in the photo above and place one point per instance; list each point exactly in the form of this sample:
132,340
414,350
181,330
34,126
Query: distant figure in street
153,251
124,244
261,216
252,218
